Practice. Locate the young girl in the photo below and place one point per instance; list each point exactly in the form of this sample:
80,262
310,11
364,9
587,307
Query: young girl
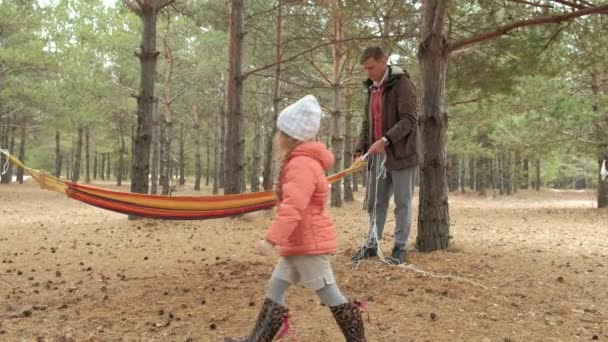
302,230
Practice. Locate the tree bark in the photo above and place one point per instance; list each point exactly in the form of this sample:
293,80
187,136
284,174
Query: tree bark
154,166
21,152
148,13
453,172
216,155
348,140
433,217
182,156
268,174
77,157
197,151
109,166
235,142
257,148
463,178
525,175
537,182
336,138
208,167
122,150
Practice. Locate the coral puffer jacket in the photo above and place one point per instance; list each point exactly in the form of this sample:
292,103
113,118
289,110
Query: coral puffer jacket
302,225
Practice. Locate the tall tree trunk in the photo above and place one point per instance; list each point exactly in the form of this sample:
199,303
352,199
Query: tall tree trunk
68,163
501,174
223,118
463,178
109,165
122,150
155,150
268,174
21,152
87,155
208,167
525,177
165,157
537,182
102,167
148,13
197,148
7,178
348,140
433,217
517,172
601,124
235,142
95,165
182,156
77,157
336,139
453,172
508,158
58,156
257,148
216,155
472,173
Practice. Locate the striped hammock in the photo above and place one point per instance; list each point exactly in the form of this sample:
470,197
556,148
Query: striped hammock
163,207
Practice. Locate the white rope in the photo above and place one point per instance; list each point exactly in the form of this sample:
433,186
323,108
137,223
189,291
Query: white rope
372,238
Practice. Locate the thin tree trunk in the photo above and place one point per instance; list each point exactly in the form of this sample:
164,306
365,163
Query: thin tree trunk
109,165
268,174
472,174
182,157
11,130
463,178
21,152
216,156
336,139
58,156
508,173
348,137
68,163
537,183
77,157
122,149
223,118
154,167
257,147
525,175
433,217
95,165
87,155
208,167
453,172
500,174
198,172
102,166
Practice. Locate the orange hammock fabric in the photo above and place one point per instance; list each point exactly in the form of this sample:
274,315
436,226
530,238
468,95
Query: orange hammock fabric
164,207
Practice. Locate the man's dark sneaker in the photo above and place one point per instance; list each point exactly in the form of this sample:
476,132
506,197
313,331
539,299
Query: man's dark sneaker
365,252
398,256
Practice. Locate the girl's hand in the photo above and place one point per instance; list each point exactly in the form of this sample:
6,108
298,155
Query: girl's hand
264,247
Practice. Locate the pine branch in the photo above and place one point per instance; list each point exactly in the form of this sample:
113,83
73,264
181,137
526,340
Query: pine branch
503,30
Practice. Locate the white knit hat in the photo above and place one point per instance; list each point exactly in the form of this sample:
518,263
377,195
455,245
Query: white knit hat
301,120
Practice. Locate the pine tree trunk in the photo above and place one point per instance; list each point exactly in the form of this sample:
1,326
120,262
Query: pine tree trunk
500,174
182,156
235,142
155,150
257,148
481,172
217,157
336,138
463,176
102,166
122,150
472,174
433,217
508,158
165,157
222,151
348,138
77,157
453,172
517,172
11,147
109,165
197,154
95,165
600,131
525,175
268,174
68,163
208,167
537,182
58,156
21,152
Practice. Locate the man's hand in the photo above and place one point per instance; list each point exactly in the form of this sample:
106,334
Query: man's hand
377,147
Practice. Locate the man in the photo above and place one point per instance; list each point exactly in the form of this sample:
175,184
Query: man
388,135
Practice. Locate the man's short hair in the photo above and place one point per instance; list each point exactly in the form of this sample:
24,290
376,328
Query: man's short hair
374,52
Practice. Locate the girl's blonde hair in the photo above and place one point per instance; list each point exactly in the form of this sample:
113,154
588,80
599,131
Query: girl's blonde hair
286,145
